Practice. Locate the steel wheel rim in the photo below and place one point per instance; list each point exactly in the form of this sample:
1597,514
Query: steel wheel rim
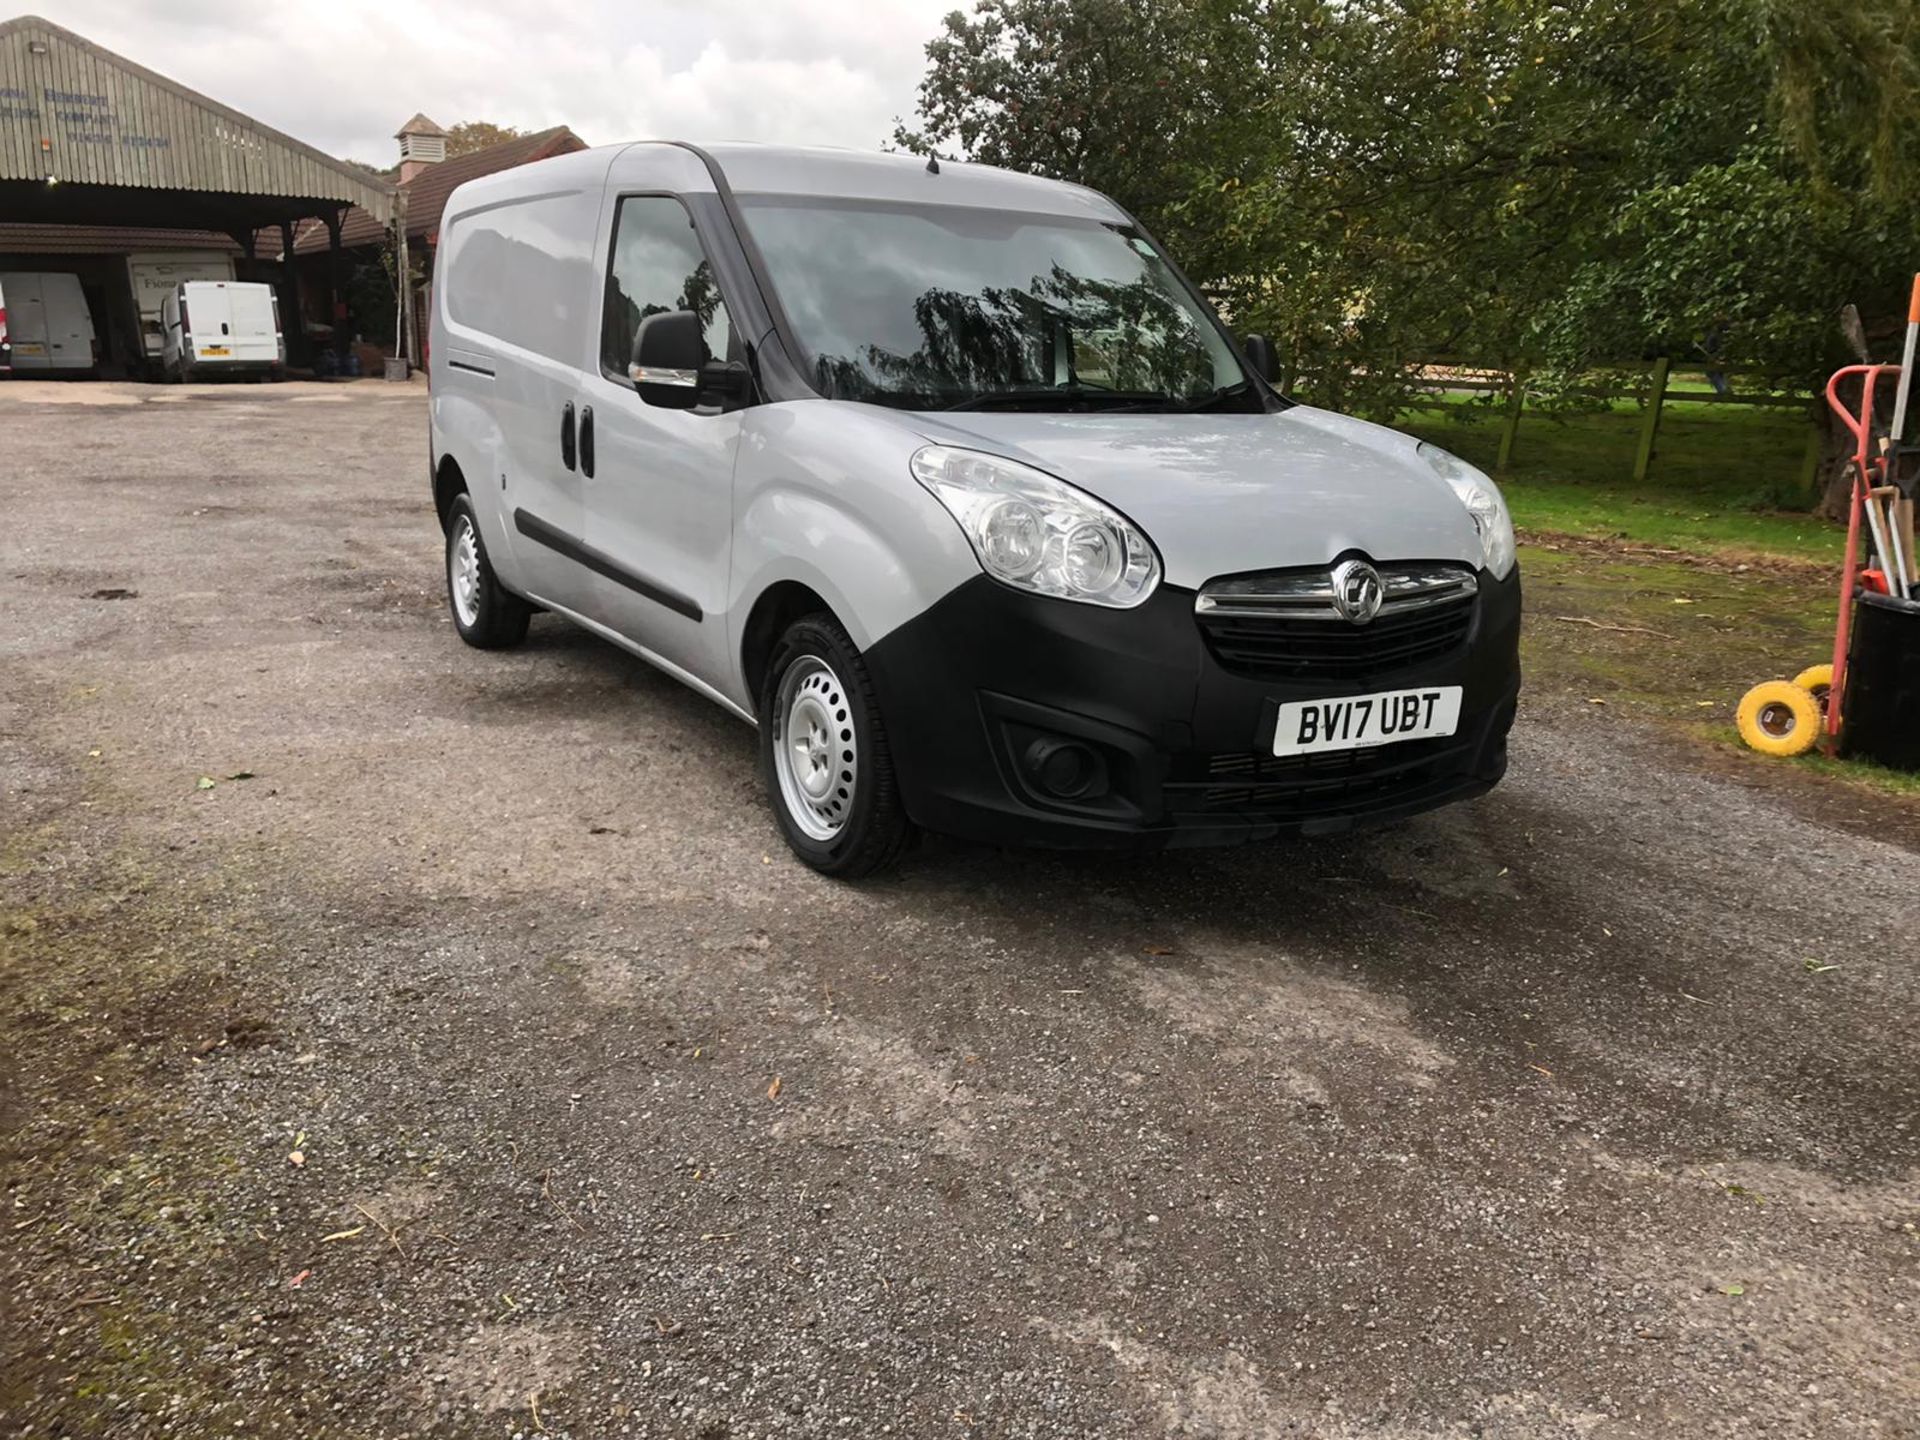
1776,719
816,755
463,564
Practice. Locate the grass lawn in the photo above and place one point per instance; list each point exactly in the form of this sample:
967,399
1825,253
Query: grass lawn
1724,479
1666,601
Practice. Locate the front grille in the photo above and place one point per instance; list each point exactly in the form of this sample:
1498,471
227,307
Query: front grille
1303,787
1282,625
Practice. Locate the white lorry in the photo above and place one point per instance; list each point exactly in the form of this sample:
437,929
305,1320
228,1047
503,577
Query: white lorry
45,325
155,274
221,327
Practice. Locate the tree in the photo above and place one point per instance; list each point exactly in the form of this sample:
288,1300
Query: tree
1540,184
1799,207
471,135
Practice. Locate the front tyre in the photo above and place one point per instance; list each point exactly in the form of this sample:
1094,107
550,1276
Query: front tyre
825,756
487,616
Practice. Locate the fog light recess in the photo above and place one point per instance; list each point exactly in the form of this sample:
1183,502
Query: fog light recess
1066,769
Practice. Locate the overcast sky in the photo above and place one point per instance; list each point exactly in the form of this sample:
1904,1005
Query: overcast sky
344,74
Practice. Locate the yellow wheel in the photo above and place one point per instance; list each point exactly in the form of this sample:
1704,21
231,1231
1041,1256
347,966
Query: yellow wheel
1779,718
1817,681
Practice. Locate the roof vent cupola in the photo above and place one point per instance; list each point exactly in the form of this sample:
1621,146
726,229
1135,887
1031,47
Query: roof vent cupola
422,143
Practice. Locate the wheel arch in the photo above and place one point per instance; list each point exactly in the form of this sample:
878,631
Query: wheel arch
873,560
778,606
448,481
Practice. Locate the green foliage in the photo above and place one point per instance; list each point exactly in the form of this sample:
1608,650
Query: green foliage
1846,92
471,135
1747,248
373,290
1547,184
370,300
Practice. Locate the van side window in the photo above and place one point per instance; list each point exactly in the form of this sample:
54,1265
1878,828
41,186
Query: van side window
522,274
657,266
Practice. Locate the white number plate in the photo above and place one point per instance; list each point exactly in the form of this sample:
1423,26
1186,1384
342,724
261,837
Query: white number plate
1358,721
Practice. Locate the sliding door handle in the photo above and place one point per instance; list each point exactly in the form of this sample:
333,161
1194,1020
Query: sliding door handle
566,435
586,442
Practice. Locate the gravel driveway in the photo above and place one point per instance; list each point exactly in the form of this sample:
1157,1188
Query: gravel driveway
402,1040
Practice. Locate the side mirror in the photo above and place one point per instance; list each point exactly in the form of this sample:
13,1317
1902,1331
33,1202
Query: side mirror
1259,352
671,367
668,351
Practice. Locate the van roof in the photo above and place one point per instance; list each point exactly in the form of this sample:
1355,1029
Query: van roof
818,170
870,175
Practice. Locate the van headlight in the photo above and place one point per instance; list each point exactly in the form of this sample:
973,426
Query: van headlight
1037,533
1484,503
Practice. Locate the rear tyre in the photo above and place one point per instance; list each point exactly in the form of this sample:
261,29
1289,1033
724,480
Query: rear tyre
825,756
1817,681
487,616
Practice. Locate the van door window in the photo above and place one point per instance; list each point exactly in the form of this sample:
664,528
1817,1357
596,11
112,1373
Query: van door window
658,266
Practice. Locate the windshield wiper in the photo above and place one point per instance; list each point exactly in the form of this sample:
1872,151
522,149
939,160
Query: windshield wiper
1040,394
1189,404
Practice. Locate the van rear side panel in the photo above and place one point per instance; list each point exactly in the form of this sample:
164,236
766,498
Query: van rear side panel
516,318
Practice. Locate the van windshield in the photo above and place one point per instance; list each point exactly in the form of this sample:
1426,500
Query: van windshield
953,307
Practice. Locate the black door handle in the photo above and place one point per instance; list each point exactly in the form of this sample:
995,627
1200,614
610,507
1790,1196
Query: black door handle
586,442
566,435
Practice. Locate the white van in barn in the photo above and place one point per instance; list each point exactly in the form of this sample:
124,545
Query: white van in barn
153,275
221,327
947,479
45,325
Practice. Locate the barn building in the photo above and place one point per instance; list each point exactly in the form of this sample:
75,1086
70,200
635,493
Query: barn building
123,177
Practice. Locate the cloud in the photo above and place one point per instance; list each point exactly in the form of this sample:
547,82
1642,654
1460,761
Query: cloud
342,75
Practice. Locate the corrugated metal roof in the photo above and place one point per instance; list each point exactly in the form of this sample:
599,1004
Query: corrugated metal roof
108,240
81,114
426,194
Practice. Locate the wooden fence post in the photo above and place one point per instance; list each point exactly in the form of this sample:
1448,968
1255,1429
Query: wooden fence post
1810,466
1516,398
1650,426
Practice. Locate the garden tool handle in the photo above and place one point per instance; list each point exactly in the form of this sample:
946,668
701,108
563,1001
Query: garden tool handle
1906,366
1886,534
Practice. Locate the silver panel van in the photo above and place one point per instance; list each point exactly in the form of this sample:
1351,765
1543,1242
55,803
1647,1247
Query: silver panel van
949,481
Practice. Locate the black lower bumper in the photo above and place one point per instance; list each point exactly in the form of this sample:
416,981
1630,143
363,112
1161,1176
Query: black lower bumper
976,692
234,369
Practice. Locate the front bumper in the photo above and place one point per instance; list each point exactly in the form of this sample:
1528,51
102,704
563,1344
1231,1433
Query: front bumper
968,688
